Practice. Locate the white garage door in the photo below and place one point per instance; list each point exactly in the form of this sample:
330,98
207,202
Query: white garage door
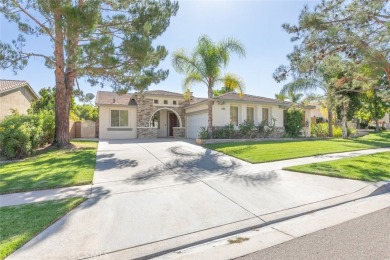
194,123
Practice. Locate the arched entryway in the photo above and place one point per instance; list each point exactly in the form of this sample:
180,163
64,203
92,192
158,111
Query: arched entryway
165,120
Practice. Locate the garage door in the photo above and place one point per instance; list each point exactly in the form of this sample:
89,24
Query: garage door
194,123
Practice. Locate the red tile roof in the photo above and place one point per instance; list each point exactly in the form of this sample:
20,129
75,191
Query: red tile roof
7,85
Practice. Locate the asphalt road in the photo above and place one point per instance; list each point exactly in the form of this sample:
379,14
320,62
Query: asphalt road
366,237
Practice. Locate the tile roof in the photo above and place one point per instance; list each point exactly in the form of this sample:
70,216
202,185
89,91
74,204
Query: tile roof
163,93
196,100
249,98
112,98
7,85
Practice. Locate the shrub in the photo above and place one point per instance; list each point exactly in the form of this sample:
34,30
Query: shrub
265,130
294,120
320,120
246,129
320,130
20,135
203,134
363,124
229,130
219,133
337,132
48,126
15,133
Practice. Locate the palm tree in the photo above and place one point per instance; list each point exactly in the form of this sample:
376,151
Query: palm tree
205,66
292,96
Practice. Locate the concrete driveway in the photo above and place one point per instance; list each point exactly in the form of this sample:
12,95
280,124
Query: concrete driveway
149,196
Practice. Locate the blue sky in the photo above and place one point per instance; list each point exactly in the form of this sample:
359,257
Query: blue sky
257,24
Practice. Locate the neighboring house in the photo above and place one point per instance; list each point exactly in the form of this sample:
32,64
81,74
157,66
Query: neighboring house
161,113
318,111
15,95
385,121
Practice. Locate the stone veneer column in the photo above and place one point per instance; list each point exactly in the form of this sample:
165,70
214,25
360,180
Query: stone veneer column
179,132
145,110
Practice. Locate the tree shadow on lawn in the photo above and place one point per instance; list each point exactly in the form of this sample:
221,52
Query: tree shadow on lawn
65,169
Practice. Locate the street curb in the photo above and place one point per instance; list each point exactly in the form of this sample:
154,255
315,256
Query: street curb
163,247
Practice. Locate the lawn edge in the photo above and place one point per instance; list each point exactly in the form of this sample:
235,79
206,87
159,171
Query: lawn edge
291,169
48,188
285,159
82,200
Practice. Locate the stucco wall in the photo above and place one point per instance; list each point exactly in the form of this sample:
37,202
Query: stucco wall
108,132
221,112
19,99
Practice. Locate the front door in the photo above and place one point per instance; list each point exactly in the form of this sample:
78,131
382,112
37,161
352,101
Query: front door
172,123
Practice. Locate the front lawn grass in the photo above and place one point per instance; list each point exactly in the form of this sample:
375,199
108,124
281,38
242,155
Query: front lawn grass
21,223
373,167
51,168
266,151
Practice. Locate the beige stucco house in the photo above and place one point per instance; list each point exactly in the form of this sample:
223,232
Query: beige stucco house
161,113
15,95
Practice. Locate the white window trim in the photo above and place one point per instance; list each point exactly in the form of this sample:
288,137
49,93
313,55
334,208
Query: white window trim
269,115
254,113
238,114
128,118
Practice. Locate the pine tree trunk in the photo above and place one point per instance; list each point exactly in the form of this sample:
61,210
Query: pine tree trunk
61,137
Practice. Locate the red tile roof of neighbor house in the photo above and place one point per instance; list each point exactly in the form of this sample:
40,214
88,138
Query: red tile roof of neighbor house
8,85
112,98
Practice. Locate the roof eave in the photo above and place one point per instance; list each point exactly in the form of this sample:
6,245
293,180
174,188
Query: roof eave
25,85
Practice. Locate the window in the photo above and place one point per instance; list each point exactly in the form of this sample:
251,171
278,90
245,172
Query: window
165,102
174,102
265,115
234,115
155,120
119,118
155,101
250,115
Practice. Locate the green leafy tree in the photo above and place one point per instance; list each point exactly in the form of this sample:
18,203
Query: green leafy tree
205,65
107,42
86,112
294,125
374,107
46,100
357,30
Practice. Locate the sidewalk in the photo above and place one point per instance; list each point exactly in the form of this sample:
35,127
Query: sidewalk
281,232
44,195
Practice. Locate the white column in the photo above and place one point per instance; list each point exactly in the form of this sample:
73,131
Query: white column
243,113
259,114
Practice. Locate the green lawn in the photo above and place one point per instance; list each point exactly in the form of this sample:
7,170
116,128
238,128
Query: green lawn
266,151
374,167
50,169
21,223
